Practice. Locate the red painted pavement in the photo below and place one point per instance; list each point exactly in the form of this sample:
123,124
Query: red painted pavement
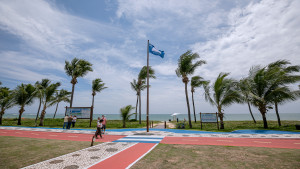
125,158
247,142
58,136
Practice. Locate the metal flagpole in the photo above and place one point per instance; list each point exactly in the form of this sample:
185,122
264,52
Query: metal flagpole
148,86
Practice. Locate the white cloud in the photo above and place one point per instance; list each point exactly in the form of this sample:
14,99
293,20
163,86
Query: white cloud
261,33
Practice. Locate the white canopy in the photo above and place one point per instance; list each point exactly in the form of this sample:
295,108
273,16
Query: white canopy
175,114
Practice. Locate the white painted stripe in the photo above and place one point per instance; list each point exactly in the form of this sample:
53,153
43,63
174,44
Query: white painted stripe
147,136
108,157
141,156
122,139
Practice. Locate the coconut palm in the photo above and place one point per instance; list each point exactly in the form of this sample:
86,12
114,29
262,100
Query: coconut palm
137,88
141,81
6,101
125,114
23,96
61,96
267,85
77,68
244,88
286,72
185,68
97,86
40,86
222,93
48,97
196,81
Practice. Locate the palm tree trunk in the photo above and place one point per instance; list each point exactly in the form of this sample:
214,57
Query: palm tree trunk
221,116
43,115
140,110
137,100
265,120
20,115
263,110
0,119
251,113
194,106
93,101
55,110
124,124
188,105
38,112
1,114
278,117
71,102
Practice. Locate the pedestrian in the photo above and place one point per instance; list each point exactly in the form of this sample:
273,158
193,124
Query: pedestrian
74,121
66,122
103,124
69,122
99,126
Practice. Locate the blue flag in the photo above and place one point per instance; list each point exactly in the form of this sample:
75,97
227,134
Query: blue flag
155,51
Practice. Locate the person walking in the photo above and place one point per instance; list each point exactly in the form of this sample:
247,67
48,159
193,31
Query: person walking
74,121
99,126
69,122
103,124
65,121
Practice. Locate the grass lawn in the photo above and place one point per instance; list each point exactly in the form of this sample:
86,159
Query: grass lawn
197,156
17,152
239,125
81,123
113,124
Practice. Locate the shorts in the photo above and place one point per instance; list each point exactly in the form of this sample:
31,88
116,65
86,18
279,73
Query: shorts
103,126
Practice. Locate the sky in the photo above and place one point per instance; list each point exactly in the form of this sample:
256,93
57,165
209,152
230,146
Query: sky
38,36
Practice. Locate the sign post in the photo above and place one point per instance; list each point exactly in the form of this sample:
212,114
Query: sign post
209,118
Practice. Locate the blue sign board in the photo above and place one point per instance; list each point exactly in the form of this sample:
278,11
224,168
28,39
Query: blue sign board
79,112
209,118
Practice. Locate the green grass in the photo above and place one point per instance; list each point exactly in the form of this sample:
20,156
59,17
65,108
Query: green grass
81,123
240,125
196,156
17,152
114,124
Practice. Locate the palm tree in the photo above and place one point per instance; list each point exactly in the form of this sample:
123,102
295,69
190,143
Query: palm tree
61,96
40,86
244,88
137,88
141,81
196,81
77,68
187,67
125,114
267,85
24,95
287,73
6,101
97,86
222,93
48,97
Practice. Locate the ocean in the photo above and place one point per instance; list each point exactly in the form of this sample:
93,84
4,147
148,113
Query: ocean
166,117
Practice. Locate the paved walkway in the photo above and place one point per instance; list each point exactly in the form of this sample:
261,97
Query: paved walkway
124,147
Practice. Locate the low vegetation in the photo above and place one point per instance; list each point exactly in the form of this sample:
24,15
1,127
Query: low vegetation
196,156
17,152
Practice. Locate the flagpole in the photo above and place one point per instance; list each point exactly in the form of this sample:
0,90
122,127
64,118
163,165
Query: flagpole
148,86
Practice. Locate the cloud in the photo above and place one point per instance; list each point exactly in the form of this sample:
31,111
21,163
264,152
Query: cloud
46,29
261,33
